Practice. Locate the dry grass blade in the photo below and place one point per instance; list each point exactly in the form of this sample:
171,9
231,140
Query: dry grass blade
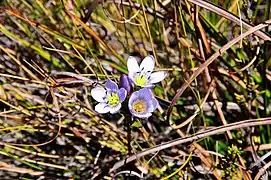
7,167
210,60
43,28
54,53
262,171
194,137
228,15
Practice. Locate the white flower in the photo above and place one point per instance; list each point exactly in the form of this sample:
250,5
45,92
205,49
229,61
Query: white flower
142,75
109,98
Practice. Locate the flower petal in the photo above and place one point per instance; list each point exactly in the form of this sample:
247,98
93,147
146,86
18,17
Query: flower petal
132,65
153,105
98,93
143,116
122,94
145,94
157,77
149,86
147,65
102,108
115,109
111,85
132,98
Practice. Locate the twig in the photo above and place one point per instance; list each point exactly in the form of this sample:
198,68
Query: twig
210,60
262,170
197,136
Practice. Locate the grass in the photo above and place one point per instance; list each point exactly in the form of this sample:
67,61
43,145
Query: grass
213,119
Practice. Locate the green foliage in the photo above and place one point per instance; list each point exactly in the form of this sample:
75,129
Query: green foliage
229,164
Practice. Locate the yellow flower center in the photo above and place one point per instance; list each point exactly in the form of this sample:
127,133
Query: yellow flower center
139,106
113,99
140,80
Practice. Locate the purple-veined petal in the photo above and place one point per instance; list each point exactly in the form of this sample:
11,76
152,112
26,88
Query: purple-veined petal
135,95
145,94
157,77
122,94
147,65
115,109
98,93
143,116
153,105
132,98
132,65
102,108
111,85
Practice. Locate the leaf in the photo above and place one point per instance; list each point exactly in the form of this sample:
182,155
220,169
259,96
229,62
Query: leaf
137,124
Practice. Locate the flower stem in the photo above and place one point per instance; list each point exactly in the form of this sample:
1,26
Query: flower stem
128,124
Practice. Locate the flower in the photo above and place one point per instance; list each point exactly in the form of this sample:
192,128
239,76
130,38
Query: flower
142,75
125,82
109,98
141,103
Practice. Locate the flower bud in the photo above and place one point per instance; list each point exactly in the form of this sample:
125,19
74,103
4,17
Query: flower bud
125,83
